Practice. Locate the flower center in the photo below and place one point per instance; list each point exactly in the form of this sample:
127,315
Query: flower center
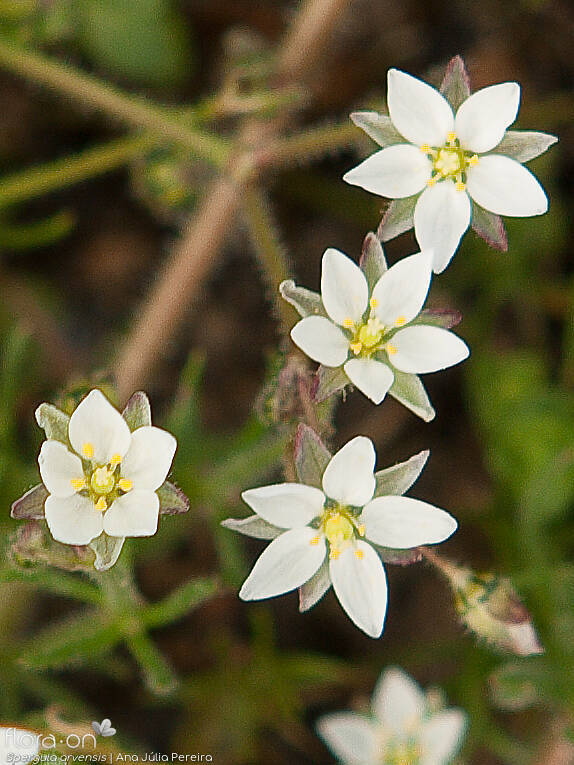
450,161
341,528
102,480
370,335
401,753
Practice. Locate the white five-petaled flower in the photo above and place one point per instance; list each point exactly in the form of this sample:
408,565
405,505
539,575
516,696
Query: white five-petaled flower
18,745
332,527
403,729
370,335
450,159
107,481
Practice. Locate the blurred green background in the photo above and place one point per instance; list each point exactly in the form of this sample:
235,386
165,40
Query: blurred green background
92,204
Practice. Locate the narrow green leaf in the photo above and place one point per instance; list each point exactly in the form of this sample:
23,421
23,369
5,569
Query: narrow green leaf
311,456
158,674
181,601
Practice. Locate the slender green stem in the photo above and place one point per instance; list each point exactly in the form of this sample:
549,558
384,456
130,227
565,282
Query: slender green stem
89,90
308,145
270,252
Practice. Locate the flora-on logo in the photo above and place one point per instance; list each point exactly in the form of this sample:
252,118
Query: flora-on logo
104,728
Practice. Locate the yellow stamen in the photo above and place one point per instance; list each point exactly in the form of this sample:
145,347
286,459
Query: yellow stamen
473,160
359,554
125,484
391,349
348,323
78,483
334,554
425,148
361,529
460,186
315,540
373,302
356,348
115,461
101,505
451,137
432,181
400,320
88,450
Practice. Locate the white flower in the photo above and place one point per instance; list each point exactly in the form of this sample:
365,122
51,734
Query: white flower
324,534
107,480
18,745
371,336
450,159
403,728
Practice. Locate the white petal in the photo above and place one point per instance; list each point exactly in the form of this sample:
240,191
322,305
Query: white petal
403,522
321,340
96,422
503,186
398,702
373,378
58,467
344,289
418,111
288,562
401,292
135,514
442,215
395,172
441,737
423,349
18,745
360,584
482,119
149,457
352,738
349,478
73,520
286,504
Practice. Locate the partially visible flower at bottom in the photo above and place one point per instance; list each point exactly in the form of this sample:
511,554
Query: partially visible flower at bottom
334,535
404,728
18,745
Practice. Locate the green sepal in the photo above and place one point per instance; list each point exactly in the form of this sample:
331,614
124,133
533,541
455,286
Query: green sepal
398,218
329,380
30,506
137,412
489,227
33,544
313,590
396,480
311,456
444,318
373,262
306,302
54,422
172,500
378,126
253,526
455,86
524,145
409,390
398,557
107,550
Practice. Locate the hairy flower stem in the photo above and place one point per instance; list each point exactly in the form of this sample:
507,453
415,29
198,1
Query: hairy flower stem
197,252
89,90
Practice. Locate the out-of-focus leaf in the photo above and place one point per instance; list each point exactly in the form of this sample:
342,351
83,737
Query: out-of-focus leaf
519,685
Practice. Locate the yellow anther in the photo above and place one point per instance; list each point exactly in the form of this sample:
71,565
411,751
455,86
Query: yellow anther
400,320
473,160
315,540
425,148
348,323
334,554
88,450
460,186
391,349
451,137
356,348
361,529
125,484
78,483
432,181
101,505
373,302
359,554
115,461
